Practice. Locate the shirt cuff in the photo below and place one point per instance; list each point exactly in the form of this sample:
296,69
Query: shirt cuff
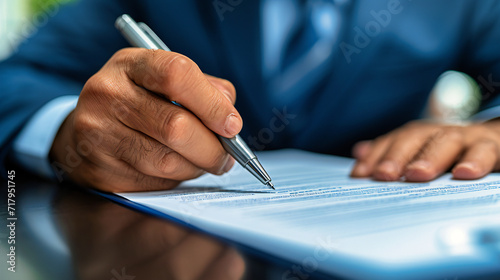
32,146
486,115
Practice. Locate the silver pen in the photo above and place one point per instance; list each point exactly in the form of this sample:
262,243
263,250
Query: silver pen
140,35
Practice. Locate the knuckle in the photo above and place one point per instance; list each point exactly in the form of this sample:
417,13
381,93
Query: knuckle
177,69
101,85
83,124
175,127
166,162
178,63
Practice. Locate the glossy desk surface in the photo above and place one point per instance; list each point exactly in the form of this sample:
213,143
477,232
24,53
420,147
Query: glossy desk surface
64,232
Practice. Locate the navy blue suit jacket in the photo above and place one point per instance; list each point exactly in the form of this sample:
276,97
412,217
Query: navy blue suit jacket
375,83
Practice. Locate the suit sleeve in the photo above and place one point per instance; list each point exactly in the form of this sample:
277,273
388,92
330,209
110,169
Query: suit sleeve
56,61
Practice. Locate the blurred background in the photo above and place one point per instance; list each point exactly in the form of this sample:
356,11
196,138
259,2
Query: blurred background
454,99
11,15
21,18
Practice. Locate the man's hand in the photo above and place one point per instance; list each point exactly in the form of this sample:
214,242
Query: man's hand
126,135
422,151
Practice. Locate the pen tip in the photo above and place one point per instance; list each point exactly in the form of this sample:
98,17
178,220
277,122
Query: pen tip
271,185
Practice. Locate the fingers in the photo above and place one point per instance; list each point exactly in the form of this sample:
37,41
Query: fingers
179,79
175,128
439,153
362,149
364,167
153,158
479,160
112,175
403,149
422,151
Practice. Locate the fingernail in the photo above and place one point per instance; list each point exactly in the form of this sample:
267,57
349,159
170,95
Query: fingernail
229,165
466,169
419,164
360,170
233,125
389,167
467,165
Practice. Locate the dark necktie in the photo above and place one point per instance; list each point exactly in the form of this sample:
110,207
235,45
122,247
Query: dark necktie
298,45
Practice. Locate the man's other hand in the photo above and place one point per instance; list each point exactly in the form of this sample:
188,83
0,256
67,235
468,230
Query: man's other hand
421,151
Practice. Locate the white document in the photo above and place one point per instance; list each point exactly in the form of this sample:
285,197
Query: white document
326,221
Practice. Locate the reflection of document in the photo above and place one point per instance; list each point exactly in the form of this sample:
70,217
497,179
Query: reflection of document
326,221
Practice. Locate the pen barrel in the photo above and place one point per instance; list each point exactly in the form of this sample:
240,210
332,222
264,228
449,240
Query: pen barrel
238,149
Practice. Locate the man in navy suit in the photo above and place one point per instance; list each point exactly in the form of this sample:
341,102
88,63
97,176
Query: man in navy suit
317,75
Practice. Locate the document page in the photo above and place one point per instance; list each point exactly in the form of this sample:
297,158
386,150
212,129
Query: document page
321,218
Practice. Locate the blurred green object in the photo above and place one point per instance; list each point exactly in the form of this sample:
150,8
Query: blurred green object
37,6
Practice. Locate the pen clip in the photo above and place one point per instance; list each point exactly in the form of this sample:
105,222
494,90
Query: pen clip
153,36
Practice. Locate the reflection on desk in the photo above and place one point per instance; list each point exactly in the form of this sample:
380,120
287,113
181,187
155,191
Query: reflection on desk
109,239
63,232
